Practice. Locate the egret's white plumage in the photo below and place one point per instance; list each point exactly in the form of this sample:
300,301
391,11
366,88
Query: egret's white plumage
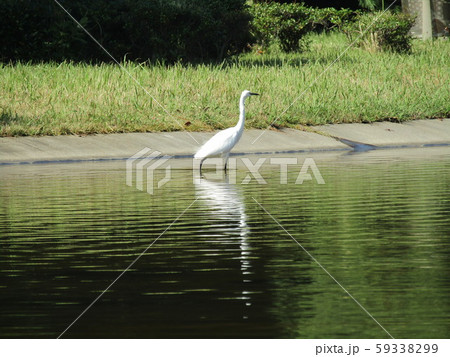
222,143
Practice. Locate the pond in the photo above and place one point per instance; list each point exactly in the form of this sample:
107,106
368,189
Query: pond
221,258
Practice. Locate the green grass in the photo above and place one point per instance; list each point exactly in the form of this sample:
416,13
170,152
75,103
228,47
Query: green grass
67,98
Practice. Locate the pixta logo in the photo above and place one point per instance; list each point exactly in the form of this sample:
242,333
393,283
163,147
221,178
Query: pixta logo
149,169
143,164
307,171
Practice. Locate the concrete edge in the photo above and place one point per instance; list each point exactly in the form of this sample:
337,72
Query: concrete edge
326,138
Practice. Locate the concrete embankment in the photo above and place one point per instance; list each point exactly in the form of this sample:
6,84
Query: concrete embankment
419,133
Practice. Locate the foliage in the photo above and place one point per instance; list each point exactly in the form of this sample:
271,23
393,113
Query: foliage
285,23
386,31
372,5
168,30
330,18
288,24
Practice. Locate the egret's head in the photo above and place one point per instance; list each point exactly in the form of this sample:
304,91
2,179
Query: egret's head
247,93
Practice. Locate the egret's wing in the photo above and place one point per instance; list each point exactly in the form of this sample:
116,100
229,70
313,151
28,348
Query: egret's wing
220,143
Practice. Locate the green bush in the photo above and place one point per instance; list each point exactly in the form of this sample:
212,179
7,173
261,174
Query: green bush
287,24
169,30
284,23
330,18
382,31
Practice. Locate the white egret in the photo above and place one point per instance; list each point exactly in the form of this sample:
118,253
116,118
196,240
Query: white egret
222,143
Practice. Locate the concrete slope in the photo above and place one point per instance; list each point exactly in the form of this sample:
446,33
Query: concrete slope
120,146
387,134
59,148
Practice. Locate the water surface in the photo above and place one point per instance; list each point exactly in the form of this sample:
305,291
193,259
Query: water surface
380,225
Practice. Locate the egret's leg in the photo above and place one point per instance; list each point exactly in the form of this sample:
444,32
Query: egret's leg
226,160
201,163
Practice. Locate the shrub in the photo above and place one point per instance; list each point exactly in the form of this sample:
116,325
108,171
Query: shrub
183,29
330,18
284,23
388,31
168,30
288,24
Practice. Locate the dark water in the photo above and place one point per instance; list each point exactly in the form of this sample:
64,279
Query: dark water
380,225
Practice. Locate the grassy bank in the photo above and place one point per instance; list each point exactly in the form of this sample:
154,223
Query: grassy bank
53,99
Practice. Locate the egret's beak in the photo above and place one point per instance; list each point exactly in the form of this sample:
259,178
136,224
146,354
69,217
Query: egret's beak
254,93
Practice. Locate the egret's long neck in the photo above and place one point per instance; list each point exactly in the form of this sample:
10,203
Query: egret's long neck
240,124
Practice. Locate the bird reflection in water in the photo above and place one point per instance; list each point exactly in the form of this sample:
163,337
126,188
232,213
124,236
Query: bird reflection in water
226,205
